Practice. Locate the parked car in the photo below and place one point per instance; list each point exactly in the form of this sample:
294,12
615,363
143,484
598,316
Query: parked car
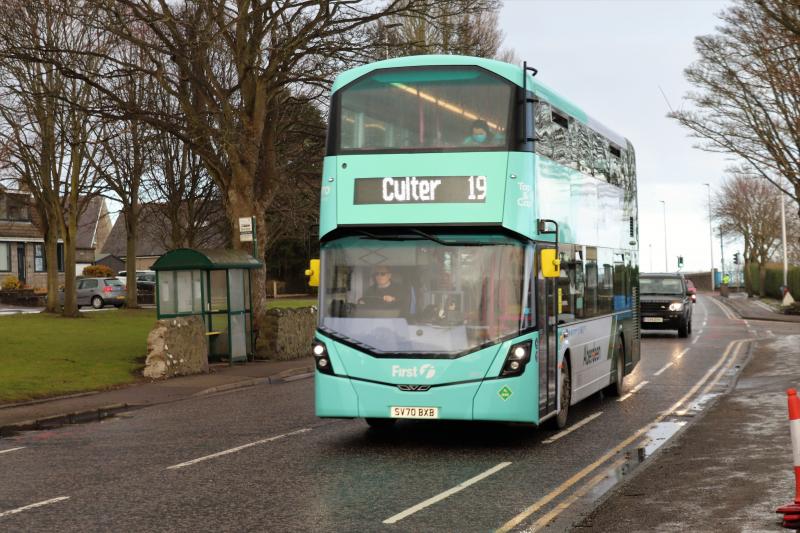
146,276
692,290
98,292
665,303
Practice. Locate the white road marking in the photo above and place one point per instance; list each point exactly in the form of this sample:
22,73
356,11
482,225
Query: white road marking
12,449
697,338
33,506
236,449
764,306
572,428
663,368
682,353
633,391
445,494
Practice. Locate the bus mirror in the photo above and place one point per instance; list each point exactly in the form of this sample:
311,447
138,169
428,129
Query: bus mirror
551,265
313,273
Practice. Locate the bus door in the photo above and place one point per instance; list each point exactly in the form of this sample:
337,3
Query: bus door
547,323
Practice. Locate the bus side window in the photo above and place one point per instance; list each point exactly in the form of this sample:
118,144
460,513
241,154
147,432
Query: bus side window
605,281
590,293
615,166
543,124
599,156
560,138
580,147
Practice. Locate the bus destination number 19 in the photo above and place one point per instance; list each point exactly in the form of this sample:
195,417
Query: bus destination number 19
421,190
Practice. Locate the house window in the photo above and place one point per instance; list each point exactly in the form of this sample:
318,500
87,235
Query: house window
40,258
39,262
5,257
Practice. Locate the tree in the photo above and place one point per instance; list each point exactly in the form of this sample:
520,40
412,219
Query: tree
747,102
51,141
462,27
749,206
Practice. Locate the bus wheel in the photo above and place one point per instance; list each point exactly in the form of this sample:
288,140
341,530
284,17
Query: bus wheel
565,396
380,423
617,388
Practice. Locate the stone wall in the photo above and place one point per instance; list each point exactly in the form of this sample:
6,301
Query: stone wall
290,332
177,347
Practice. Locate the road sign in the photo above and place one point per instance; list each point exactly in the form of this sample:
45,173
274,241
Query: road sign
246,229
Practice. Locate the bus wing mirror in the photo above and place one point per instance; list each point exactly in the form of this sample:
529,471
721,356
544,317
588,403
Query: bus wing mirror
551,265
313,273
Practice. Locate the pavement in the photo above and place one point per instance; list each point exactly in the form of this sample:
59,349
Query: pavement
731,468
755,309
51,412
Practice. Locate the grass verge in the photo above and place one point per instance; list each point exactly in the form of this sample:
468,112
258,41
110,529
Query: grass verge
47,355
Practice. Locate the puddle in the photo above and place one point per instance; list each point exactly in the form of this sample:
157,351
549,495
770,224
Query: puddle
657,436
698,405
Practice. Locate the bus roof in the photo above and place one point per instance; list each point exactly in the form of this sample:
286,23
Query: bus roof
508,71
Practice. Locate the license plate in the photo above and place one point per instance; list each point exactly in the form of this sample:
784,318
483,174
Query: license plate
414,412
653,319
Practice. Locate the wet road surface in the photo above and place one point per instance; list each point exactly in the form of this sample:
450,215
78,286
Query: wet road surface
259,460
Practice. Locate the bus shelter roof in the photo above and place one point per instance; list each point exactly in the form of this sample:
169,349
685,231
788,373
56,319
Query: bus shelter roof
192,259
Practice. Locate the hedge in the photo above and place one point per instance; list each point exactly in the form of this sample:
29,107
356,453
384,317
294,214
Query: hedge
774,279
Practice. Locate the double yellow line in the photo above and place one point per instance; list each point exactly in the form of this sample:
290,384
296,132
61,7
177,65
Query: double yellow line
729,356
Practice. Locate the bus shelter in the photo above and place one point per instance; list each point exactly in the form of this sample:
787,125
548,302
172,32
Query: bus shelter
215,285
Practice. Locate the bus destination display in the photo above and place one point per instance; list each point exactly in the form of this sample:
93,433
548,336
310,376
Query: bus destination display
420,190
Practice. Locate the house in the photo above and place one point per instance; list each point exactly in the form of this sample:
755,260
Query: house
156,234
22,252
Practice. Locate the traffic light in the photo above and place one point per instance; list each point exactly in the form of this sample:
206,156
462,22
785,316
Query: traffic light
680,261
736,258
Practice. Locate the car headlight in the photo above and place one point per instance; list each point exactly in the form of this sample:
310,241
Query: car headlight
676,306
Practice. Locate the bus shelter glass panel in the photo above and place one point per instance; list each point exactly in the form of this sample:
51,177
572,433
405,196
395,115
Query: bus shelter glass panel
218,312
238,331
166,298
184,289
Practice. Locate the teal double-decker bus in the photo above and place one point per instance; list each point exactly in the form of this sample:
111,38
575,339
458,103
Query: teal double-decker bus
478,237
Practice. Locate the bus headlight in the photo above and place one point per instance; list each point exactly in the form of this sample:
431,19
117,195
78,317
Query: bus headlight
676,306
517,358
321,357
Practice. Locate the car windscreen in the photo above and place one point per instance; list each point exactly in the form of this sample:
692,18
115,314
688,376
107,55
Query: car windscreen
665,286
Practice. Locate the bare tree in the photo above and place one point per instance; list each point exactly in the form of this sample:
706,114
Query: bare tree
52,141
462,27
748,98
750,207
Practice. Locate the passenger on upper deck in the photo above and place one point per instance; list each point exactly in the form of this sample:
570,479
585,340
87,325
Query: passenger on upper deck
480,134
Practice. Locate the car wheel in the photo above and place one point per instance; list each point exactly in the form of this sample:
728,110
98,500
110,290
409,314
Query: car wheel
381,423
617,388
683,329
97,302
565,397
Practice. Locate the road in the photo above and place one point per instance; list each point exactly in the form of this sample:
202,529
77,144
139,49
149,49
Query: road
259,460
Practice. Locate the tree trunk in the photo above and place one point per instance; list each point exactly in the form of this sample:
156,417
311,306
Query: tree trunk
241,205
762,278
131,228
70,296
51,261
748,281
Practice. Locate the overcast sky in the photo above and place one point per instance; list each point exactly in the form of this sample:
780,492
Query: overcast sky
610,57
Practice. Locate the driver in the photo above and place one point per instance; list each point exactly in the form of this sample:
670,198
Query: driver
383,293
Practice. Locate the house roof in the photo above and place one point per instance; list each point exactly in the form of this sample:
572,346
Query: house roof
154,234
87,223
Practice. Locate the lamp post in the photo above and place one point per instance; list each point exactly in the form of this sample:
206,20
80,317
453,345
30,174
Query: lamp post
710,235
386,36
664,205
783,238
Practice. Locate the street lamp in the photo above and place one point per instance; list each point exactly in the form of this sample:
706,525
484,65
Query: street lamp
710,235
666,267
783,238
386,35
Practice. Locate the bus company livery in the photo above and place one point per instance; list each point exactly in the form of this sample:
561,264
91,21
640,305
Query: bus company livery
479,256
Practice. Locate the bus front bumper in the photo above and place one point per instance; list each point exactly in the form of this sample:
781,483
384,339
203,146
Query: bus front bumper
510,400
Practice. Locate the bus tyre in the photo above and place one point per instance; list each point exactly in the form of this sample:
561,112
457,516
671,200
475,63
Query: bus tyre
617,389
683,329
565,397
380,423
